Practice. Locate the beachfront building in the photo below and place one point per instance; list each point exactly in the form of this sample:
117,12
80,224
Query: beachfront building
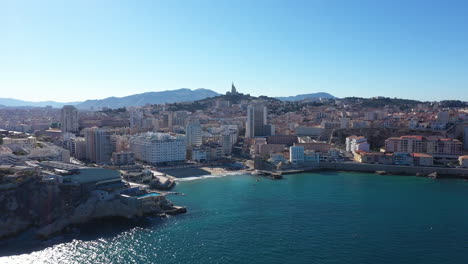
374,157
296,154
214,151
423,159
158,148
315,146
276,158
311,157
355,143
435,146
196,154
402,158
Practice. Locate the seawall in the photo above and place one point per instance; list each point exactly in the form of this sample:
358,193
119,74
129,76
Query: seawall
395,169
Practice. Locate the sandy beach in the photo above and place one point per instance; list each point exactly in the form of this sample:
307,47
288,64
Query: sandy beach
201,171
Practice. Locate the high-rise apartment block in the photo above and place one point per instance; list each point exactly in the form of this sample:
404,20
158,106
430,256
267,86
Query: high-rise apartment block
99,145
69,119
256,125
193,132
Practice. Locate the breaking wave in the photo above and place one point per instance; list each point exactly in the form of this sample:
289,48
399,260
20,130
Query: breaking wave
194,178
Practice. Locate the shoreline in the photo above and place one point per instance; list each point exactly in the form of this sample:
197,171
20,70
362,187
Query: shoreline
182,173
396,170
401,170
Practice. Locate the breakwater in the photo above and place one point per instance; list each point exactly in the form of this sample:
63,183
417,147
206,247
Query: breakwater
395,169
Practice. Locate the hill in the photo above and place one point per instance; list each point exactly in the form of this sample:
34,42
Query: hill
174,96
10,102
301,97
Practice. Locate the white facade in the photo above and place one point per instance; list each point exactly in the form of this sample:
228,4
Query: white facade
296,154
354,143
158,147
193,132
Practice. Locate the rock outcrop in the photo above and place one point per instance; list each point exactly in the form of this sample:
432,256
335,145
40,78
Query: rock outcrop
51,209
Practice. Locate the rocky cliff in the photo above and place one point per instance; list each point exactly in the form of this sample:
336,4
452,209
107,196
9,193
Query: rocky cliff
50,209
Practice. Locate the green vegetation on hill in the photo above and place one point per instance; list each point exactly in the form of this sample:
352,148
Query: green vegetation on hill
209,102
115,111
381,102
453,103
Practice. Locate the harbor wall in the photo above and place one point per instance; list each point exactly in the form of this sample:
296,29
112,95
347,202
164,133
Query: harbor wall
395,169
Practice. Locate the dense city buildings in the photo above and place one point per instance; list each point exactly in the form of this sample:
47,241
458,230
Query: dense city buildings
239,126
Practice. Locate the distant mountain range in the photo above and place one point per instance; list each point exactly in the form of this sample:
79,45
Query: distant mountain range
172,96
9,102
306,96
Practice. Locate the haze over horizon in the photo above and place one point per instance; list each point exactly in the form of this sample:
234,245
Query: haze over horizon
66,52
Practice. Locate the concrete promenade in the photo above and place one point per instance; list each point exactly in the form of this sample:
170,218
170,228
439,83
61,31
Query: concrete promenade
395,169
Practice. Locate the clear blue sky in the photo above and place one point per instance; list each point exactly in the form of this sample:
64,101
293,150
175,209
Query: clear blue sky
76,50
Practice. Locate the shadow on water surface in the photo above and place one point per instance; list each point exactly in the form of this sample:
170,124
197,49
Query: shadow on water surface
26,242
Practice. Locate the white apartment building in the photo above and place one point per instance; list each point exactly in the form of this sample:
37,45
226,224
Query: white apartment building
193,132
355,143
158,147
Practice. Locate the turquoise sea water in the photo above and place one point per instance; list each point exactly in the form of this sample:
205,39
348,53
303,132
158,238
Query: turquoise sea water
332,217
148,194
